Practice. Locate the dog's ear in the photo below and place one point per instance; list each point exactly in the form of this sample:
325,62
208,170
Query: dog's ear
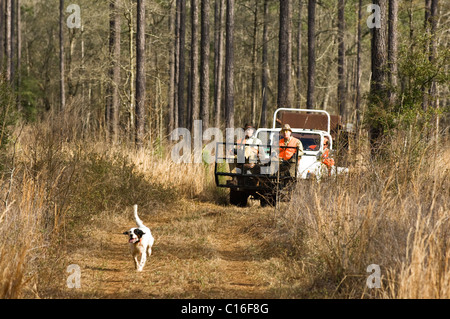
139,232
126,232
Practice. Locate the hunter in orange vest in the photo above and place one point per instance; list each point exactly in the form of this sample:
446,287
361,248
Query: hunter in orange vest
288,140
326,159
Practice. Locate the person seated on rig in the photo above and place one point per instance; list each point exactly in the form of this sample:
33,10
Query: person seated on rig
249,144
251,151
287,153
325,159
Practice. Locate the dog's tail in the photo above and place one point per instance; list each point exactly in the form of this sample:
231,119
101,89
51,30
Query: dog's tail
139,222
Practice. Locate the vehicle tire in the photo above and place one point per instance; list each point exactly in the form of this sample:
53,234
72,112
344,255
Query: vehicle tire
268,200
238,198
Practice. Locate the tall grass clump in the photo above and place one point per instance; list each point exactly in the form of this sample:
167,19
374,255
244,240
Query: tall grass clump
393,212
23,243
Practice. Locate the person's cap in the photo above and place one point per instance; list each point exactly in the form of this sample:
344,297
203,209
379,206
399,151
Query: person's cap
286,127
248,125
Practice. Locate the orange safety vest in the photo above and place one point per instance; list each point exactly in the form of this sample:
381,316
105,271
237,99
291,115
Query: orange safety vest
287,153
326,159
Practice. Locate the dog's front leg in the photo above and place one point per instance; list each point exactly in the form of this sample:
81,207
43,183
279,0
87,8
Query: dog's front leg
136,262
142,262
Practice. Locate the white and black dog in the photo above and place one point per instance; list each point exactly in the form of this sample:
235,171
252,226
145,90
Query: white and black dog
141,241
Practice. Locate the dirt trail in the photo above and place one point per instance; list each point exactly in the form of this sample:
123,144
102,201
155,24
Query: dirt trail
201,252
237,267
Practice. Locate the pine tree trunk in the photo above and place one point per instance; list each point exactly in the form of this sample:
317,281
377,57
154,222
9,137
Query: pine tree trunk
194,92
284,55
378,92
19,54
379,56
229,66
341,90
299,55
310,101
265,65
433,44
392,49
410,20
433,90
182,121
254,60
171,88
62,91
176,61
189,101
204,65
219,17
140,75
13,41
358,67
114,72
427,26
131,100
2,31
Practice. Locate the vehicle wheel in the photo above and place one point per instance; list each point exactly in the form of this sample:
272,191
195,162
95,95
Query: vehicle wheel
238,198
268,200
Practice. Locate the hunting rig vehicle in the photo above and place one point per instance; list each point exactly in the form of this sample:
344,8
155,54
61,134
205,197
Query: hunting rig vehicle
255,170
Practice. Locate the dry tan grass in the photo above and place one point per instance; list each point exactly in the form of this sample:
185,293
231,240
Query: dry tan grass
21,241
395,215
69,197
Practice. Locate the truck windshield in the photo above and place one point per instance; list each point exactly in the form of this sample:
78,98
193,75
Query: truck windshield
310,141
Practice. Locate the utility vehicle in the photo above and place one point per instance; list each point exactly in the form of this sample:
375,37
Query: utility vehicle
255,170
